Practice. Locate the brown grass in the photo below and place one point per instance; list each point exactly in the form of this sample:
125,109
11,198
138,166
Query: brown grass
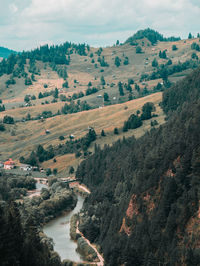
21,138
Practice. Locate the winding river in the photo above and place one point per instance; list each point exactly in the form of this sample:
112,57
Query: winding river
59,230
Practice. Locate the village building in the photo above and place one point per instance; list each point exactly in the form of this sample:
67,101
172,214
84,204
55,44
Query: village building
9,164
25,167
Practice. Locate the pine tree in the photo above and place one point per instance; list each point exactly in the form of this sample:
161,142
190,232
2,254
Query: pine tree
121,91
103,133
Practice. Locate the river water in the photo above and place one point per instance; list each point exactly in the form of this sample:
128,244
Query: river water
59,230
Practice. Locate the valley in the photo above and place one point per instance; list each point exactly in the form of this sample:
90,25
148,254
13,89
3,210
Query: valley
114,133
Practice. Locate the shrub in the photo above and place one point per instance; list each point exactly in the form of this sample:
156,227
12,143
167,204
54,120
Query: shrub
2,127
116,131
65,84
174,47
138,50
8,120
61,138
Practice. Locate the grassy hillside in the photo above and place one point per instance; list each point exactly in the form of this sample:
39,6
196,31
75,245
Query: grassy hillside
23,137
46,69
81,71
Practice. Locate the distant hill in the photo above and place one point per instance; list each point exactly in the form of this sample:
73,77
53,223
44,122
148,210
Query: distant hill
5,52
152,35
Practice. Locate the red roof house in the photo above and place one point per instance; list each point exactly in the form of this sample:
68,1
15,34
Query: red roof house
9,164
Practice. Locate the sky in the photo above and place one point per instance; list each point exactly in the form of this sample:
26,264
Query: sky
27,24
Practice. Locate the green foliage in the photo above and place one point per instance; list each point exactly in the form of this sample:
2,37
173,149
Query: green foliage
71,146
33,97
103,133
117,61
174,47
195,46
103,81
177,95
138,50
55,171
153,188
116,131
61,137
2,108
75,107
130,81
162,54
106,97
71,170
8,120
99,51
120,87
194,56
169,62
126,61
147,109
10,81
165,70
27,98
133,122
65,84
63,98
48,172
154,63
152,35
5,52
102,62
154,123
28,81
2,127
91,91
89,84
190,36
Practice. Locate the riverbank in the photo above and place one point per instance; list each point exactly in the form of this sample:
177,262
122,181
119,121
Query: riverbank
59,230
88,250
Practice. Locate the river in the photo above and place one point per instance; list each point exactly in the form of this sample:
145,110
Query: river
59,230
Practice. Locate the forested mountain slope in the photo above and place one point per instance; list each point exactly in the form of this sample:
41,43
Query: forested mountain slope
5,52
144,205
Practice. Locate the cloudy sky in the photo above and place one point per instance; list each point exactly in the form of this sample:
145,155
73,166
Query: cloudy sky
26,24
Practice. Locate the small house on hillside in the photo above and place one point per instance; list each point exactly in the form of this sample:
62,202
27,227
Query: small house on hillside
25,167
71,136
47,131
9,164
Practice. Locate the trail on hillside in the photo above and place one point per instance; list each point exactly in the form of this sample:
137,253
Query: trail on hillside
100,257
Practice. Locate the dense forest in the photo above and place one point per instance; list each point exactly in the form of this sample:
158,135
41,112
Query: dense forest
144,205
22,241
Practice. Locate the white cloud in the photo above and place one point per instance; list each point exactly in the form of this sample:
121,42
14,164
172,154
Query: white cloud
31,22
13,8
